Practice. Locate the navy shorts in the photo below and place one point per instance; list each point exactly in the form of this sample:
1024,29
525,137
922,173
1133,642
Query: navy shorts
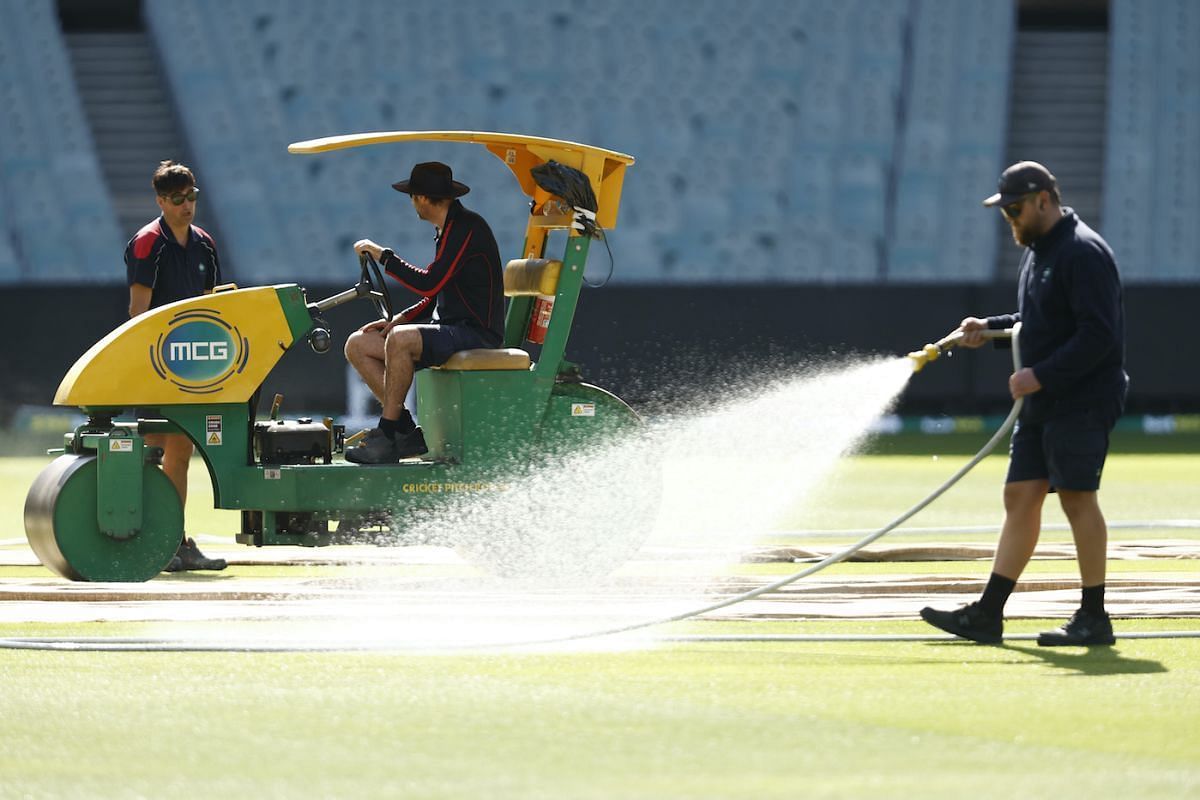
1069,451
439,342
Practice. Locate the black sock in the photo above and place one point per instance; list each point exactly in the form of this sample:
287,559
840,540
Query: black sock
995,595
394,427
390,427
1093,599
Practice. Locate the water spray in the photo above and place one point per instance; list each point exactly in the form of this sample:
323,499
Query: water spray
929,353
740,598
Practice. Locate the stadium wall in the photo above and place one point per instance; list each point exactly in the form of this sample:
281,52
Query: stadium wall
664,343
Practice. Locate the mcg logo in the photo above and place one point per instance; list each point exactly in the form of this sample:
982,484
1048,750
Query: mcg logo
199,352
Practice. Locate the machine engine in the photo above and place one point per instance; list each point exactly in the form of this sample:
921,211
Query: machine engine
298,441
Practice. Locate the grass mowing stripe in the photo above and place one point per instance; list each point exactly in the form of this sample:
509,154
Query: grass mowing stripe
696,720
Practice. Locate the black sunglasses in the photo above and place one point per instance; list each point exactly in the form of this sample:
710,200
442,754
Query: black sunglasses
1013,210
178,198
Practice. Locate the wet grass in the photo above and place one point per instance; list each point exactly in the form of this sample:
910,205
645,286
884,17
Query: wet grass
772,720
683,720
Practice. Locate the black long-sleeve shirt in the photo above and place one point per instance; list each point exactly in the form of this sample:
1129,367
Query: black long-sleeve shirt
464,280
1071,308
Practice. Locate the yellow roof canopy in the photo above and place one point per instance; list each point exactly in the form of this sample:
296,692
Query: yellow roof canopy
605,168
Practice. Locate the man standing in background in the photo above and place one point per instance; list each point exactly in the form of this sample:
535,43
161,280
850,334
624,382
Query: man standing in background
171,259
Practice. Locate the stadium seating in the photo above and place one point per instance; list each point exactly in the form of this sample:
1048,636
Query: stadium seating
58,224
826,141
721,110
952,144
1151,195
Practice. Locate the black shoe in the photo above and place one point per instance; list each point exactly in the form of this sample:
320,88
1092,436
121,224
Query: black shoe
375,448
411,444
189,557
1083,629
969,622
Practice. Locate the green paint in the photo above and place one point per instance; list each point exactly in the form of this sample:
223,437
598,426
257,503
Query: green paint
70,540
295,311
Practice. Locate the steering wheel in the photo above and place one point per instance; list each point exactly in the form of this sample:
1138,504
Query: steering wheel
378,292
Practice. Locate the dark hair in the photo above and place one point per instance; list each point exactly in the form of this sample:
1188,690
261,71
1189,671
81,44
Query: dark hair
437,201
170,178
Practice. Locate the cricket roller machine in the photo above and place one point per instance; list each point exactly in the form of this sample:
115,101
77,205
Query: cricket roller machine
104,511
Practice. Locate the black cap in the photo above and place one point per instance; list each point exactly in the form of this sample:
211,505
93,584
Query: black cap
1022,178
432,179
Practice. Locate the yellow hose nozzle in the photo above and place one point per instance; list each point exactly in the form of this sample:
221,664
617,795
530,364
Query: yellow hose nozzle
920,358
931,352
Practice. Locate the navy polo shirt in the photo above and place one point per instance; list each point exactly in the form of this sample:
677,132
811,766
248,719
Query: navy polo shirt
153,258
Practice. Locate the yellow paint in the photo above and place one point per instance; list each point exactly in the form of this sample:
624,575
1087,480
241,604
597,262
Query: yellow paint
532,277
141,364
605,168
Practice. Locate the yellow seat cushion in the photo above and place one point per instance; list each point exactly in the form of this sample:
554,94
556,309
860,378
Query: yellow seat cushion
530,276
487,358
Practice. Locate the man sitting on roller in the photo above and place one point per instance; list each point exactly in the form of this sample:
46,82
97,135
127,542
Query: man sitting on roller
464,285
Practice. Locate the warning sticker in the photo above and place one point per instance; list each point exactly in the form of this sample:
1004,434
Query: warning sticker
120,445
583,409
212,426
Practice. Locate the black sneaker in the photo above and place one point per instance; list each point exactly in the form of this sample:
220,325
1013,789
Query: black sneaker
189,557
411,444
969,622
1083,629
375,448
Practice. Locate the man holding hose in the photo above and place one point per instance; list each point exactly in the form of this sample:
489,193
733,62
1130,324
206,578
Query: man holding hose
1074,384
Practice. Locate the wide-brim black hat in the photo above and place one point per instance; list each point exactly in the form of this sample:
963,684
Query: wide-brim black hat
432,179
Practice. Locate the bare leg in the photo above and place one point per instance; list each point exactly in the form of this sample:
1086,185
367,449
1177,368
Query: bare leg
177,454
1090,532
365,352
386,365
1022,525
401,353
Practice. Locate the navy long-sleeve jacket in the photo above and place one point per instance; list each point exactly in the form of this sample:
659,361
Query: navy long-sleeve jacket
464,280
1071,308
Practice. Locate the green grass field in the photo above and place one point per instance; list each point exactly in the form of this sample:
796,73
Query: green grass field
682,720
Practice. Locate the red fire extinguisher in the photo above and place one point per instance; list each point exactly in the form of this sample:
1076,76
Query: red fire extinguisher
539,321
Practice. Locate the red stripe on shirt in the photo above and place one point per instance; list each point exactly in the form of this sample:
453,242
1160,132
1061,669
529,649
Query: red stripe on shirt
449,270
145,239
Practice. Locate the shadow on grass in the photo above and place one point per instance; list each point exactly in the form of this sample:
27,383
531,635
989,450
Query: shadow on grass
1091,661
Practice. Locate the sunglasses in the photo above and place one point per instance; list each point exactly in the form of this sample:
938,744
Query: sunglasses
178,198
1013,210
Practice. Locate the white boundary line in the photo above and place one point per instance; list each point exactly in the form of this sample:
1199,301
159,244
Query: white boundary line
1126,525
1120,525
156,645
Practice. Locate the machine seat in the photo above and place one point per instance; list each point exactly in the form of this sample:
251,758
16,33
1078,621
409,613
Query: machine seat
487,358
531,276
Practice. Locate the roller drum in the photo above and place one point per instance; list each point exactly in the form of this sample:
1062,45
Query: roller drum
62,529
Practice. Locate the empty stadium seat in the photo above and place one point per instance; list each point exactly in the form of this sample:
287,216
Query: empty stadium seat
1153,143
